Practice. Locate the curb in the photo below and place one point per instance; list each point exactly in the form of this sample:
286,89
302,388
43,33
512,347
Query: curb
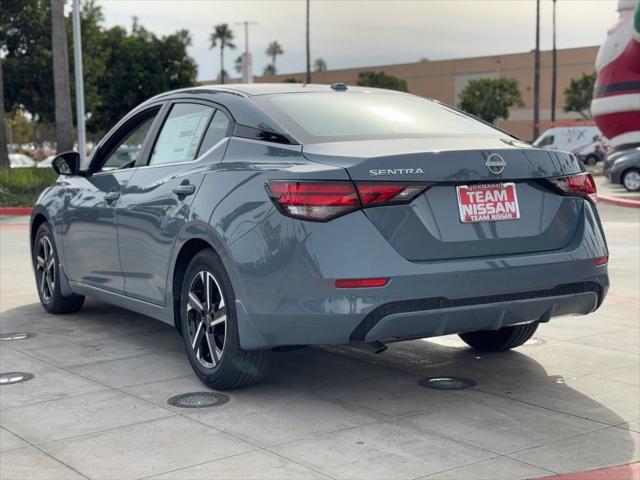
621,472
619,201
15,211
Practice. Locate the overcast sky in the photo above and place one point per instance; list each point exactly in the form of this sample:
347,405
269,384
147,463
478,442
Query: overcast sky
354,33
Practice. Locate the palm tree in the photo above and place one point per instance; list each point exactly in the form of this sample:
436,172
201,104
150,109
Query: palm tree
269,70
273,50
222,35
4,156
319,65
61,91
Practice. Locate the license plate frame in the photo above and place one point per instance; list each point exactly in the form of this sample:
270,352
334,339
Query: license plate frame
487,202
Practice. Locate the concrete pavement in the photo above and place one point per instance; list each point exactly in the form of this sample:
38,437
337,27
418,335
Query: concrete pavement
570,401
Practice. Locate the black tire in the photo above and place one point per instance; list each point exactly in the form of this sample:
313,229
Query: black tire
217,359
628,185
591,160
500,340
47,272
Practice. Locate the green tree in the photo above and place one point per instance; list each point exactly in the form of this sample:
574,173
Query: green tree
269,70
579,93
319,65
222,35
237,64
381,80
273,50
290,80
490,98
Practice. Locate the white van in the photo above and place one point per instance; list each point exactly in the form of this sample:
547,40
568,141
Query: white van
583,141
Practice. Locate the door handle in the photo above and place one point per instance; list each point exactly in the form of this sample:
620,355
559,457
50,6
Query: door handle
112,196
184,190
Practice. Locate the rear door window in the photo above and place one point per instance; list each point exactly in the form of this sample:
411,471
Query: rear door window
181,135
216,131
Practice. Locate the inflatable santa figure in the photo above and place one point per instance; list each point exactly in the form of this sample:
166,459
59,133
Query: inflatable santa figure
616,102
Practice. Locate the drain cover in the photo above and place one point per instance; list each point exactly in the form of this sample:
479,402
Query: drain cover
198,400
15,336
532,342
14,377
447,383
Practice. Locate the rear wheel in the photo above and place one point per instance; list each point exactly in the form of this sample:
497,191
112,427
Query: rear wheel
46,263
591,160
500,340
210,329
631,180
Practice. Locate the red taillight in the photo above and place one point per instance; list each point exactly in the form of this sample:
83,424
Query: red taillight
581,184
324,200
375,194
600,261
361,282
319,201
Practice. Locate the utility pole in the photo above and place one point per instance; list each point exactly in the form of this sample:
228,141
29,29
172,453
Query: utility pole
554,68
77,62
536,77
308,48
247,63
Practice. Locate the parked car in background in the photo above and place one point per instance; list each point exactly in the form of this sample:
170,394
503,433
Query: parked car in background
625,169
20,160
587,143
254,217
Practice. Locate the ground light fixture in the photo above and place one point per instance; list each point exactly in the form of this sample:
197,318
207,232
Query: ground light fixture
7,337
198,400
9,378
447,383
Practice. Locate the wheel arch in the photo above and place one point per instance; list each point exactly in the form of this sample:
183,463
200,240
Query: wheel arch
36,220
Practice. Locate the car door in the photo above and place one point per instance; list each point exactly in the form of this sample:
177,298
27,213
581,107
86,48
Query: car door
157,199
89,238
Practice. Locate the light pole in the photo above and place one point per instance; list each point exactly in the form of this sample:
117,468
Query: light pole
77,60
554,68
308,48
536,77
247,64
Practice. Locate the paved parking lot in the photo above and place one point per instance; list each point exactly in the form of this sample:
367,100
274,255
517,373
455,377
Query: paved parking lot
96,408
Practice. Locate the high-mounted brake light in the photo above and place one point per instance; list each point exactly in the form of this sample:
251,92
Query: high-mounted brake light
581,184
321,201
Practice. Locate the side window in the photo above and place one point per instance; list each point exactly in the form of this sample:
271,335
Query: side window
181,133
217,131
548,140
124,155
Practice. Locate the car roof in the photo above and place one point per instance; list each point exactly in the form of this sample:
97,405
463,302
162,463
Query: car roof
252,89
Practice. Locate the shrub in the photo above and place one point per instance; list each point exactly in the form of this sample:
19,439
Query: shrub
20,187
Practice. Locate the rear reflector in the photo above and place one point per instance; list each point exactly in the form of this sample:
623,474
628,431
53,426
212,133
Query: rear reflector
361,282
581,184
600,261
321,201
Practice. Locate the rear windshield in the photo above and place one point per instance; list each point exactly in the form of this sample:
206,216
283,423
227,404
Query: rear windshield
339,116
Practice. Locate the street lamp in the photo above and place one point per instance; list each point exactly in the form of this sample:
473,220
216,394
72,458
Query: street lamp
77,60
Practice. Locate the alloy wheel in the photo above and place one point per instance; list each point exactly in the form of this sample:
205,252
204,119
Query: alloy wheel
632,180
206,319
45,268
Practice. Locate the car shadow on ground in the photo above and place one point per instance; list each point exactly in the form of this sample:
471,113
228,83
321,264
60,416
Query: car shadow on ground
519,407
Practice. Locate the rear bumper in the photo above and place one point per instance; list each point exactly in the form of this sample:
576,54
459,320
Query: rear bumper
285,292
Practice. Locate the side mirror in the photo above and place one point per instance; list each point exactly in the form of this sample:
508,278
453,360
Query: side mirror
67,163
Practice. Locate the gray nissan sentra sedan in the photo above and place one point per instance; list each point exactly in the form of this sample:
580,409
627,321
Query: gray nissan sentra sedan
260,216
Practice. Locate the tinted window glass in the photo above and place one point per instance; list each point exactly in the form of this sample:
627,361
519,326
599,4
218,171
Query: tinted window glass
548,140
334,116
181,134
217,131
126,153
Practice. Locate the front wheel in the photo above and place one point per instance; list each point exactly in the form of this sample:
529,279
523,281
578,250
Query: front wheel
210,328
46,264
500,340
631,180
